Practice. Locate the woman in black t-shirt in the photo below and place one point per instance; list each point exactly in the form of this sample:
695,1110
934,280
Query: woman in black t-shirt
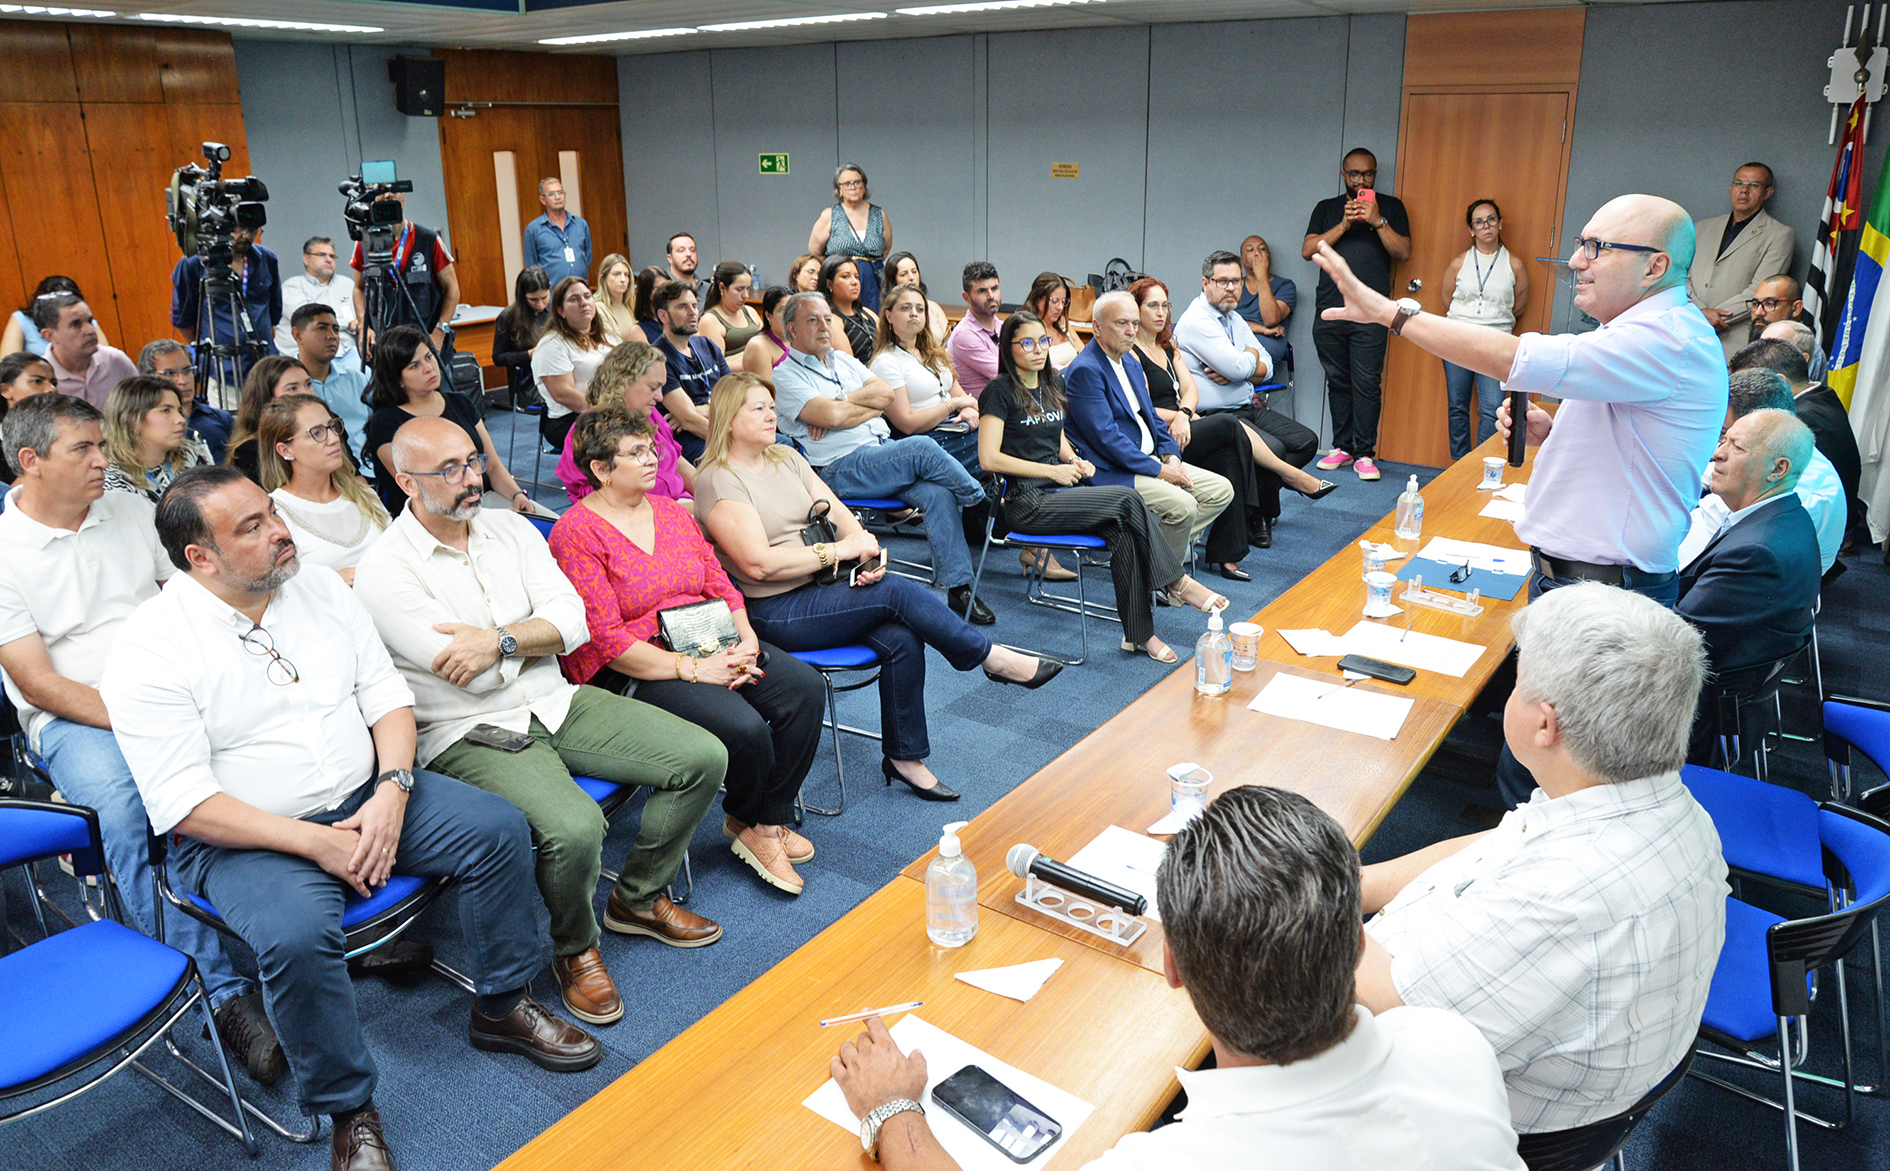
407,386
1020,436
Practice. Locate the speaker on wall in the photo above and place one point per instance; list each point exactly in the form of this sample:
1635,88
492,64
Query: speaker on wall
419,85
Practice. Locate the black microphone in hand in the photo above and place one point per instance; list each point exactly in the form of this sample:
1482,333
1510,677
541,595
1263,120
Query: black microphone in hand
1518,426
1023,860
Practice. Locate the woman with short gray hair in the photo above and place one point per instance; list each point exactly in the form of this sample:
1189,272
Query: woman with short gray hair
856,229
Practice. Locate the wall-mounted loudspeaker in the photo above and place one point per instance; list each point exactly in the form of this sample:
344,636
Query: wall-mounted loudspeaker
419,85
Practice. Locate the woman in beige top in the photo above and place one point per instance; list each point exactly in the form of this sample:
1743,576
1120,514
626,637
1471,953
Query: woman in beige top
754,497
613,299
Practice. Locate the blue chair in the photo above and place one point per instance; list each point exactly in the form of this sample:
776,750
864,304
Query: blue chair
92,999
1763,984
873,510
543,524
1082,546
610,797
830,663
1853,724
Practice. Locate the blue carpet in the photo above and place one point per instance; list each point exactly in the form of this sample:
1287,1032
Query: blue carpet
450,1108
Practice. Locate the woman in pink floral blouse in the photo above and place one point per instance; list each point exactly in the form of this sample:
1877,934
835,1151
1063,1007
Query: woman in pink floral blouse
631,553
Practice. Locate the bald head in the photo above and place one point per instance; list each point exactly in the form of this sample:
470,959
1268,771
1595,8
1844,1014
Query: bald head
425,448
1653,241
1662,223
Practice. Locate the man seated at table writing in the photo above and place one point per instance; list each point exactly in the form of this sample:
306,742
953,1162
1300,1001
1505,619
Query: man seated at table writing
1581,933
1259,897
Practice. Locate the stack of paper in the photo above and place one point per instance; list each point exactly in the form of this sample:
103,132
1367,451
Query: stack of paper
1411,648
1313,642
1332,705
1493,558
1018,981
1506,503
1125,858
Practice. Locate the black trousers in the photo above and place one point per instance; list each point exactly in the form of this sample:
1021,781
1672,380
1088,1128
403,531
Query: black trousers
771,728
1220,445
553,431
1140,559
1288,439
1354,359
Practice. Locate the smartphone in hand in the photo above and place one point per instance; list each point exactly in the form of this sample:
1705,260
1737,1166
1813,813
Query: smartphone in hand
865,567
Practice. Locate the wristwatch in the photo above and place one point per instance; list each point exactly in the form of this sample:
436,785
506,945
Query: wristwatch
1408,308
869,1126
508,646
400,776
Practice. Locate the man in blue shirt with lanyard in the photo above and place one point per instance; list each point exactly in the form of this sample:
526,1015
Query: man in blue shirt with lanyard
558,241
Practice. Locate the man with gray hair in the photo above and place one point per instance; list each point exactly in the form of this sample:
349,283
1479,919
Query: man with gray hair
1818,407
1580,935
1259,900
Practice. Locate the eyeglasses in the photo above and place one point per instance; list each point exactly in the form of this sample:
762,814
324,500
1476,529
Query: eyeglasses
1770,305
852,183
180,375
322,432
1225,282
1372,174
1031,345
455,474
1593,247
1159,306
1488,221
1461,573
1750,186
281,671
642,455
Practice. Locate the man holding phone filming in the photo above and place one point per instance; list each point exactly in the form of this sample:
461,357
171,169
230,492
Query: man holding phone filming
1260,901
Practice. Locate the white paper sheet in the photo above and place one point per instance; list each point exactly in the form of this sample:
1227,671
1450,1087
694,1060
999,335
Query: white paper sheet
1312,642
1500,508
1515,492
1494,558
945,1055
1412,648
1125,858
1388,552
1169,824
1018,981
1332,705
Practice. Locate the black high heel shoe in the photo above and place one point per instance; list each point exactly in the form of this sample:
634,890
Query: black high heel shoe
1046,671
1325,489
938,792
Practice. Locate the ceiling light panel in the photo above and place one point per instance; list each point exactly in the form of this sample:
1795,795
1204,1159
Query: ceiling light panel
749,25
987,6
244,22
37,10
601,38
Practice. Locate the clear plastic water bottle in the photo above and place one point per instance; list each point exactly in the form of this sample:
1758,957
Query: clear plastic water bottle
1213,659
1410,524
951,893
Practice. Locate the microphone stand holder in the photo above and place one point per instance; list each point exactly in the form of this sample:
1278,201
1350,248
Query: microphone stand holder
1112,923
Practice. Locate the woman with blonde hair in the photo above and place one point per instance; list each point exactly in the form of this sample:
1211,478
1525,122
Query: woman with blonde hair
270,378
332,513
613,298
147,437
567,357
632,377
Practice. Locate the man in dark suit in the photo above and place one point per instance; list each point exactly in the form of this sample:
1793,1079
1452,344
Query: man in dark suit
1112,423
1818,408
1751,591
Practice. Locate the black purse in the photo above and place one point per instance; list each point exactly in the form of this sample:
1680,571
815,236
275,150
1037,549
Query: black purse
699,629
820,531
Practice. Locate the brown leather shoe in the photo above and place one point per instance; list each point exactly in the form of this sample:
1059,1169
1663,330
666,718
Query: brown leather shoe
798,848
358,1145
533,1030
588,991
665,922
767,857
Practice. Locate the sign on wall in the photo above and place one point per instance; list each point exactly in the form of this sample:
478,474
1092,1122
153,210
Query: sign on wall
774,164
1064,170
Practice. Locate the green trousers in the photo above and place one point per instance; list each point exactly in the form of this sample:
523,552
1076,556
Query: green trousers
614,739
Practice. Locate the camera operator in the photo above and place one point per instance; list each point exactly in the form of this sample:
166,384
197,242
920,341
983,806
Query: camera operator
425,267
260,279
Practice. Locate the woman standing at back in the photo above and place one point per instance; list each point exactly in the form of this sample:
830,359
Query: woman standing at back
856,229
1488,286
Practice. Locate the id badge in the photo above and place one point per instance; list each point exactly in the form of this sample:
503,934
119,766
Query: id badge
570,254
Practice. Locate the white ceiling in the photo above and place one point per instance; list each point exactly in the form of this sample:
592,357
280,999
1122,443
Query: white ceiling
472,28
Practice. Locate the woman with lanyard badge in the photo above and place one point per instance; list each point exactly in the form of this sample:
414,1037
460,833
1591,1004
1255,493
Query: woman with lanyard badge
1489,287
856,229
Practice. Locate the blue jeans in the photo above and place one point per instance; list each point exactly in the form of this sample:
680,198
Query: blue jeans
87,768
1513,781
289,912
921,473
895,616
1489,393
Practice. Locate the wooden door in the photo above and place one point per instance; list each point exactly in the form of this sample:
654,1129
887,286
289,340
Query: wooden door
1456,147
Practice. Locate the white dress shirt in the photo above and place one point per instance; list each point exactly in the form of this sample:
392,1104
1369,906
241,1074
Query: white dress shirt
410,581
1208,339
76,588
1818,488
196,712
1580,935
1414,1088
303,289
1134,404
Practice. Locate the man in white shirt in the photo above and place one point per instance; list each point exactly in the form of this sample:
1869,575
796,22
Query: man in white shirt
319,284
1259,899
1580,935
75,561
475,612
820,388
271,736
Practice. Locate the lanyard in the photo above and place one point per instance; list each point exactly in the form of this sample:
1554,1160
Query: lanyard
819,368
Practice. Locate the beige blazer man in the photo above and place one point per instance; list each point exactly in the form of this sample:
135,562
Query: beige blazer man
1762,249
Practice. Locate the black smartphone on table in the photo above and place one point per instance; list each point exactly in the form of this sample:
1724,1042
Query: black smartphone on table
1377,669
995,1111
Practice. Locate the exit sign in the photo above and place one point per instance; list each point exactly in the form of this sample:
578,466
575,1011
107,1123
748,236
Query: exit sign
774,164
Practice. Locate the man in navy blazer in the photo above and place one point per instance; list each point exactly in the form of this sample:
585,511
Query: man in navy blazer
1112,423
1752,589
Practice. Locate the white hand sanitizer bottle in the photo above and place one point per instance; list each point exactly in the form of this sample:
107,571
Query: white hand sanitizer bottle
1410,523
1213,659
951,893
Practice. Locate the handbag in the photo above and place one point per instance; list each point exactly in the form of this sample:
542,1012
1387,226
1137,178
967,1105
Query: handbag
820,531
698,629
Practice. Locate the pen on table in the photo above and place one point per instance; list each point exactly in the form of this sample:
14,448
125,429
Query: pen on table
1407,625
879,1012
1340,687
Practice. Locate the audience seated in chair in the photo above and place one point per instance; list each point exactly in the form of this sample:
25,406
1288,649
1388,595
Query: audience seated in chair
269,379
1580,935
1022,438
902,268
333,514
84,366
566,357
834,408
1267,300
840,283
632,377
473,609
727,321
75,561
1819,408
648,279
695,364
768,349
1259,900
631,553
407,385
755,497
516,332
170,360
342,384
1049,300
23,375
1113,424
973,342
266,725
148,437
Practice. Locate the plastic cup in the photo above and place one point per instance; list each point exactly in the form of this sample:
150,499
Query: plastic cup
1493,471
1378,594
1374,561
1246,639
1187,790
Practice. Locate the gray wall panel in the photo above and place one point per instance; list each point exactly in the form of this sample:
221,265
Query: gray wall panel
776,99
1374,91
668,119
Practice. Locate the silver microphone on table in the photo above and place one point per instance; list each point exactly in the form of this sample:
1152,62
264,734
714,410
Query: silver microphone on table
1026,861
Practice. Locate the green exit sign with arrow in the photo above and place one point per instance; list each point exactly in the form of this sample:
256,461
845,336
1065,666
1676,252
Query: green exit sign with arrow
774,164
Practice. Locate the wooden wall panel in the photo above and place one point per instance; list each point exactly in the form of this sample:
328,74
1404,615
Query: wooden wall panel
480,75
1524,47
134,140
39,64
195,66
51,203
115,63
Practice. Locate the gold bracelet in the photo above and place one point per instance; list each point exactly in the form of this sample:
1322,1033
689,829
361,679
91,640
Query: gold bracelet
695,670
820,551
679,661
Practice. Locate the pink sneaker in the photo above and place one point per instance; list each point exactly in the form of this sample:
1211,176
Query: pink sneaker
1366,469
1336,458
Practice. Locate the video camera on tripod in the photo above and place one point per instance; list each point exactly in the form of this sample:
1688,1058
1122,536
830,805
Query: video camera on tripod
205,210
374,222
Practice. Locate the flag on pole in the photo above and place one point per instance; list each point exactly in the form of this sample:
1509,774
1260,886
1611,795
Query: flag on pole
1860,349
1835,249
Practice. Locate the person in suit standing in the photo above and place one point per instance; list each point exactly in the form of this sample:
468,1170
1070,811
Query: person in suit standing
1736,251
1751,590
1112,423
